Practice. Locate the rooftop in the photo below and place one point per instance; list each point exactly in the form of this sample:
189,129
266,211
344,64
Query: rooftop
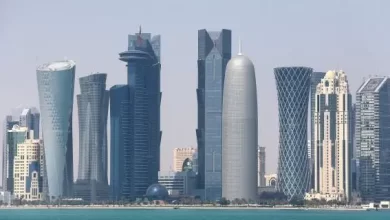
57,65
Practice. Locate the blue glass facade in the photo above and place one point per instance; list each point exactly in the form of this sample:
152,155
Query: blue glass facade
121,152
56,90
92,105
214,52
293,86
372,139
141,153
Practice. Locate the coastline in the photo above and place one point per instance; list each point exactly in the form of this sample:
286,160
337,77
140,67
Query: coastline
162,207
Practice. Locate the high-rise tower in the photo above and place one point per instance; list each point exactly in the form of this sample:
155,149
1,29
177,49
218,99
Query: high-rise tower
372,139
314,80
293,87
92,105
239,130
214,52
141,154
332,137
56,90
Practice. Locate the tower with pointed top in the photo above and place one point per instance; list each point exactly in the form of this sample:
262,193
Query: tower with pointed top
214,52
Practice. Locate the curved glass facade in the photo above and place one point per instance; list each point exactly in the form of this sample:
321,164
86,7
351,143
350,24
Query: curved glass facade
56,90
293,87
92,105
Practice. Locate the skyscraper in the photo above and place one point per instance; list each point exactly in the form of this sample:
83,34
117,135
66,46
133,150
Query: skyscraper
30,118
121,154
16,135
214,52
56,90
314,80
7,125
372,138
261,166
332,137
92,105
293,87
141,156
239,130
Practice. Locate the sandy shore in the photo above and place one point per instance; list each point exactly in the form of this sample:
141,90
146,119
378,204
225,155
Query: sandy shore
187,207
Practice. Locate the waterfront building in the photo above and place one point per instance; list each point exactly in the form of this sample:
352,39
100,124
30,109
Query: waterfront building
6,197
15,136
7,125
372,139
140,156
261,166
92,103
293,87
29,170
214,52
183,158
178,183
121,152
56,90
239,130
315,79
332,137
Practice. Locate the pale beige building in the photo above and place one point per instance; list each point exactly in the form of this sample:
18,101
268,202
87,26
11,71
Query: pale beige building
28,170
181,155
332,137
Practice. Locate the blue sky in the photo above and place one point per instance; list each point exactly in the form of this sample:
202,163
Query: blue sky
352,35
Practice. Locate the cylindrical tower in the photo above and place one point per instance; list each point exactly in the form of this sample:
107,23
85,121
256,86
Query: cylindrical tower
293,86
239,131
56,89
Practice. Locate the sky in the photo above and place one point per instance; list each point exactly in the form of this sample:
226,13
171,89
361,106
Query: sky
352,35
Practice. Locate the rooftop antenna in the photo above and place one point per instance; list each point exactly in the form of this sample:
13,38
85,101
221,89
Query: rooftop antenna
140,30
239,46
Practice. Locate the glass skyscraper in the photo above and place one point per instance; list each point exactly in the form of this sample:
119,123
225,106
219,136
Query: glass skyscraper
293,87
214,52
372,139
92,105
141,118
56,90
16,135
315,79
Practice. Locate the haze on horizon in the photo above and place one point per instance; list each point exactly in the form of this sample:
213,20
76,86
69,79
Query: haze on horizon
351,35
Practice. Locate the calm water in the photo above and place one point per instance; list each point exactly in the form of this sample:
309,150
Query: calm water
191,215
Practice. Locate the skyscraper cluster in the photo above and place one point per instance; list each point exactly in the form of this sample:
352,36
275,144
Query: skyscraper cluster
346,153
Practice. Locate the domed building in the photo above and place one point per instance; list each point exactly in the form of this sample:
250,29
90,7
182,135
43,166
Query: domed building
157,192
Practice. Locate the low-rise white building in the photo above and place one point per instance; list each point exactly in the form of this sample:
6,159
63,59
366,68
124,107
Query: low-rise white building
178,183
6,197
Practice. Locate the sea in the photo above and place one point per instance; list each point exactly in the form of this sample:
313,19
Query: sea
188,214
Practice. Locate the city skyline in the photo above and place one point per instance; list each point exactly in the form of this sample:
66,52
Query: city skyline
356,41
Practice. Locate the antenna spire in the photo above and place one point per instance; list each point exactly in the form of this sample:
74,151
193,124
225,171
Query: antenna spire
239,46
140,29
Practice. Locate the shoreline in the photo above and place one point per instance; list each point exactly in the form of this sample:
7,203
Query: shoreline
180,207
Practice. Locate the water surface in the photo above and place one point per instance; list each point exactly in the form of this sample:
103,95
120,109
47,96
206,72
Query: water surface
183,214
